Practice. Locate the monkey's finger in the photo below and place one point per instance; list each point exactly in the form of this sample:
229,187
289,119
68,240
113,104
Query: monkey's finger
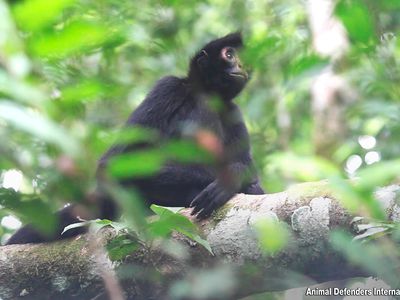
207,201
217,198
196,210
195,200
199,198
206,212
203,215
199,202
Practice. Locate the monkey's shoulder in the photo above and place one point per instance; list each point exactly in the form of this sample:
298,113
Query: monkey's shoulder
164,99
166,89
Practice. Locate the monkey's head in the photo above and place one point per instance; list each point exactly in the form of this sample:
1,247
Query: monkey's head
217,67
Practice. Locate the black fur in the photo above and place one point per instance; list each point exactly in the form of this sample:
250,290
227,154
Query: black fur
172,105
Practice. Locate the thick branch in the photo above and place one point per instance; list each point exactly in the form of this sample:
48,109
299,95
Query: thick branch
77,269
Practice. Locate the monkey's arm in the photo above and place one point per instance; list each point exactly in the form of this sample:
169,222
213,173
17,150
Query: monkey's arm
28,234
238,175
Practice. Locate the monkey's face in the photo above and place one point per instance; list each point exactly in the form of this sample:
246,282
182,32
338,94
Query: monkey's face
233,77
217,67
222,72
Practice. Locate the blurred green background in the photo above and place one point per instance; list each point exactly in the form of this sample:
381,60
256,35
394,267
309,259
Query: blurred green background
72,71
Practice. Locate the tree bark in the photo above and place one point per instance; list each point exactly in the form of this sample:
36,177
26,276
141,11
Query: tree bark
79,269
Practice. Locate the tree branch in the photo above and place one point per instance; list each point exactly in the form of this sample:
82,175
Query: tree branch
74,269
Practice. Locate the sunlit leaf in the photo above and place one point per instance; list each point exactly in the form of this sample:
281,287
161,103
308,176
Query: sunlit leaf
359,195
379,174
85,90
33,15
20,91
304,168
38,126
357,19
357,198
73,39
11,44
272,235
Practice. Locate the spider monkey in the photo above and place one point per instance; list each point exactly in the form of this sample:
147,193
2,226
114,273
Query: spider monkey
172,105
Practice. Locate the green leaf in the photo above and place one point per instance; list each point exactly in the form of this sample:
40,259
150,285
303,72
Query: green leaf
389,4
169,221
96,225
120,247
379,174
136,164
305,168
357,198
357,19
132,206
139,163
30,208
20,90
39,126
187,152
73,39
132,135
273,235
372,231
306,64
258,47
369,256
34,15
85,90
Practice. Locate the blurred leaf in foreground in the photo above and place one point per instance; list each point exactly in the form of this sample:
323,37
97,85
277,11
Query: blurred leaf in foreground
372,257
357,19
38,126
136,164
76,37
29,208
168,221
272,234
33,15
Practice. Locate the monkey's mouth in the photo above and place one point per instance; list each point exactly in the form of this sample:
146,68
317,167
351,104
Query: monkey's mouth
239,74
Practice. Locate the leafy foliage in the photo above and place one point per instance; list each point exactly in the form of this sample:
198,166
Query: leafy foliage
169,221
71,71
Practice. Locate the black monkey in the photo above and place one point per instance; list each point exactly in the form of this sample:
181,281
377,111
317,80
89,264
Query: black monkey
171,106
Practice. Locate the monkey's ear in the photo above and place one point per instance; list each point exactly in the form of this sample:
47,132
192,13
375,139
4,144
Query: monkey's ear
202,60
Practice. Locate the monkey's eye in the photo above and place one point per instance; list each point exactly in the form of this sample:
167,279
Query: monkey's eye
228,54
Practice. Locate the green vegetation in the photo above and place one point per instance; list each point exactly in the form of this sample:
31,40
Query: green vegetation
72,71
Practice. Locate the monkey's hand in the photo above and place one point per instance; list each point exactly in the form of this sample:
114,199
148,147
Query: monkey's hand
212,197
